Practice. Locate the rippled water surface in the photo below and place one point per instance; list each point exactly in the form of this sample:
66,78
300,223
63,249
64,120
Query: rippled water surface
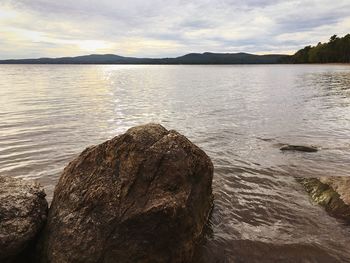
240,115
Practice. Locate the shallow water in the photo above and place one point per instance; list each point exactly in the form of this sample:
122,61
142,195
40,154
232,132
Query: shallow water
240,115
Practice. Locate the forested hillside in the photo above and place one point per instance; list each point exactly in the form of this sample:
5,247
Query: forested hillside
337,50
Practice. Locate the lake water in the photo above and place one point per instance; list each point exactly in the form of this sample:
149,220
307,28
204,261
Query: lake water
240,115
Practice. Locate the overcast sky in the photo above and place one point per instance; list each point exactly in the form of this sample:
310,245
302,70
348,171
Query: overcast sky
166,28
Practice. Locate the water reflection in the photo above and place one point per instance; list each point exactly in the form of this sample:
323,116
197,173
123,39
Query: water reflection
239,115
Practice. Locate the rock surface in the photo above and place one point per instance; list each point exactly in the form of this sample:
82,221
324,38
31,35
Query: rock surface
332,193
143,196
299,148
23,211
340,184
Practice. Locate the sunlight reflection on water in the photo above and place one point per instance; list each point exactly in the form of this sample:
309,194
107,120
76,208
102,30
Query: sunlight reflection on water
239,115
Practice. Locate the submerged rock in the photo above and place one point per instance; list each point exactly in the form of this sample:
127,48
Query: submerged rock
23,211
334,199
143,196
300,148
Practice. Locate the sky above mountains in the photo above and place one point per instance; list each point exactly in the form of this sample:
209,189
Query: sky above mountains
166,28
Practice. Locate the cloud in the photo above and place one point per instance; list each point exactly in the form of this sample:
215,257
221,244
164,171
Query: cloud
157,28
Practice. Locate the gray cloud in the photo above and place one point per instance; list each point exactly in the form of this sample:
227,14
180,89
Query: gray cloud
166,28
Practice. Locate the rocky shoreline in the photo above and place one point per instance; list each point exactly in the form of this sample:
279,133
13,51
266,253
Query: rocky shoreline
143,196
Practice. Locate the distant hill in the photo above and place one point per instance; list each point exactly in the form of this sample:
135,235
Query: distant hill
192,58
337,50
227,58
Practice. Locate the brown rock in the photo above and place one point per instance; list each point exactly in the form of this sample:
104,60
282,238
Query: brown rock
143,196
340,184
23,211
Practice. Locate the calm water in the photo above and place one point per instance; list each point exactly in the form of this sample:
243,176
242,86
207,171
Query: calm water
239,115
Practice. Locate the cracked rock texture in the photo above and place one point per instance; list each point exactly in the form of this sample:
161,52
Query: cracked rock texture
23,211
144,196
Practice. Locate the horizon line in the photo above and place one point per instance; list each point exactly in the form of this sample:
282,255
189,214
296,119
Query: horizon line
155,58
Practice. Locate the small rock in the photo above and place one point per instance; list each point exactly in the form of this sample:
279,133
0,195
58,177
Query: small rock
23,211
300,148
324,191
144,196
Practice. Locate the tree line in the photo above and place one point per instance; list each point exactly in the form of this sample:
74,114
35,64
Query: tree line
337,50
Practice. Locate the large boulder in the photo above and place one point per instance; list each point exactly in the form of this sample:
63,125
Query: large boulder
143,196
23,211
